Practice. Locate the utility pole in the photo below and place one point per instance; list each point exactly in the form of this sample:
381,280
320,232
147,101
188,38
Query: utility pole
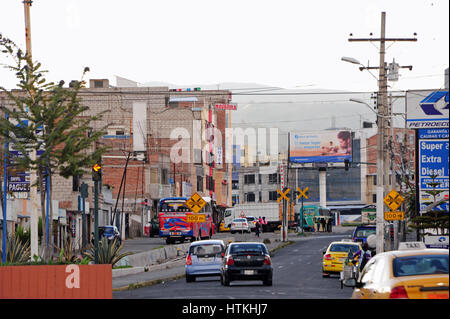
34,247
382,157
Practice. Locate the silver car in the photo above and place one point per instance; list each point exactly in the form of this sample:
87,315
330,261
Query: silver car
240,225
204,259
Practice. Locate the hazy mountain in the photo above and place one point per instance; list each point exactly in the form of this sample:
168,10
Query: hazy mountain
303,110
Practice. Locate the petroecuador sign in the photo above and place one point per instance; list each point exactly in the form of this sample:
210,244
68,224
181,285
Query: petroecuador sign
427,109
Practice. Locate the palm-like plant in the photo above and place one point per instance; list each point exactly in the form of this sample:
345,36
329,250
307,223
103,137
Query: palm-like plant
66,254
16,250
108,252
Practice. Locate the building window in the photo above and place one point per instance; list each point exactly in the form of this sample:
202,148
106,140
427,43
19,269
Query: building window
374,198
259,179
374,180
250,197
249,179
273,195
260,197
164,176
273,178
199,183
235,184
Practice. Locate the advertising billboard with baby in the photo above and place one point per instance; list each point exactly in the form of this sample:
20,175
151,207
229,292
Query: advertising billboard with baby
320,147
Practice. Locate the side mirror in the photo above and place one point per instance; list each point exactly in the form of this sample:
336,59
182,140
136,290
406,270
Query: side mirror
323,252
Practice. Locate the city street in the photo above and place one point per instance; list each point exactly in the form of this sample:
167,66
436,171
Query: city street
297,274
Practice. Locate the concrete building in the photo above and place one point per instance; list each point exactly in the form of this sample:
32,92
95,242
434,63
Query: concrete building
138,168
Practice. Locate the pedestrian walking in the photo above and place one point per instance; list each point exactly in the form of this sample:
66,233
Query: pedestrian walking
258,225
317,220
323,222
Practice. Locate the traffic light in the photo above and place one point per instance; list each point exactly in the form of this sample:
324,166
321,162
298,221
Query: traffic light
347,164
84,190
97,172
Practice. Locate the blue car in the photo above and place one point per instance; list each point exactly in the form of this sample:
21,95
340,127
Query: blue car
204,259
361,233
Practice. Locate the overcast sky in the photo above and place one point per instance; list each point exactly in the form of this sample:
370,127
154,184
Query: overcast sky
290,44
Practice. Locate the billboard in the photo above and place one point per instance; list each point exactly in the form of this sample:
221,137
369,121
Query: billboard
427,109
320,147
433,159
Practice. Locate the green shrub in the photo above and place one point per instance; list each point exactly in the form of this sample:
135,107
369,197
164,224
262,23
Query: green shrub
16,251
108,252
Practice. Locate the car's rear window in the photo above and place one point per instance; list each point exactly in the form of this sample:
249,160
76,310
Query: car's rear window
365,232
344,248
248,248
206,249
420,265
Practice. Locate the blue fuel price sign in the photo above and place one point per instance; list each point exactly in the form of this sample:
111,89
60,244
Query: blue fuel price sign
433,160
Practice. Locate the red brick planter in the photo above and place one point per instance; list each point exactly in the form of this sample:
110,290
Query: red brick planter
56,282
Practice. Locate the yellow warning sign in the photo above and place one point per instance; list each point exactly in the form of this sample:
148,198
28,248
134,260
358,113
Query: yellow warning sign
195,203
393,200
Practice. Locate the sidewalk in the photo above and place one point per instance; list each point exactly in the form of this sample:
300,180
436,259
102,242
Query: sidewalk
174,268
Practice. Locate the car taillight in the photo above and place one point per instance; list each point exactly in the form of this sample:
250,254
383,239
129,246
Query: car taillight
398,293
188,260
327,257
230,261
267,260
245,224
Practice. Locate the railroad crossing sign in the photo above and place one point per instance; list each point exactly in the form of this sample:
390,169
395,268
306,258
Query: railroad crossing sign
283,195
195,203
393,200
196,218
394,215
302,193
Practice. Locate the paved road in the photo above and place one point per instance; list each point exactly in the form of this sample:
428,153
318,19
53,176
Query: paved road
297,274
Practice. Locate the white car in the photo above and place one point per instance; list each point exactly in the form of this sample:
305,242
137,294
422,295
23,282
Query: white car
240,225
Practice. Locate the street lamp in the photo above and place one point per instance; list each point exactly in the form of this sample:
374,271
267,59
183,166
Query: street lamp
362,102
350,60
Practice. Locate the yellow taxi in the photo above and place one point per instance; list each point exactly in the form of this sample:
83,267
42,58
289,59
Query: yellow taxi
336,254
222,227
412,272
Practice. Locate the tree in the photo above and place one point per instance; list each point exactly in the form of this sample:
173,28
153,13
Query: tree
49,119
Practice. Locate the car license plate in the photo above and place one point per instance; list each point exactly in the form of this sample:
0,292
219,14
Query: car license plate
175,233
341,260
207,260
249,272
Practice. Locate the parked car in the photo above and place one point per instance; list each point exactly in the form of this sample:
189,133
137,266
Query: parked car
412,272
246,261
110,232
361,233
251,222
240,225
204,259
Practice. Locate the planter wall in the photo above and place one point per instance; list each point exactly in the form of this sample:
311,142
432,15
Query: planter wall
56,282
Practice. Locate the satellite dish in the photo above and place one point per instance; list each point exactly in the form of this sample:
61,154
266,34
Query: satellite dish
372,241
